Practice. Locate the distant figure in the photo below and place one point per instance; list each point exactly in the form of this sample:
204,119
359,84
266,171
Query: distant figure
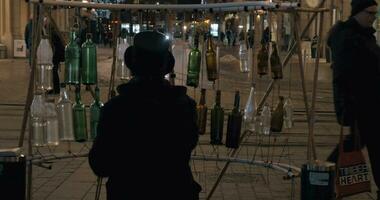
58,52
28,39
146,134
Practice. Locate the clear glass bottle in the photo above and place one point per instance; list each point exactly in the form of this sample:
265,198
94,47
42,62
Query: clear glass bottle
262,61
72,60
234,124
217,121
212,72
243,55
194,65
95,113
52,130
278,116
38,120
288,113
65,116
89,62
202,112
80,123
44,69
275,63
250,110
266,119
122,70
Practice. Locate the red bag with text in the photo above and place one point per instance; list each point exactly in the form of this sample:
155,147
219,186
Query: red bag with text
352,175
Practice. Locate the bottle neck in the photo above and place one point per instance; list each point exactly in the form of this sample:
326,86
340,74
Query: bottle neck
217,98
202,100
209,43
72,37
237,101
63,94
77,98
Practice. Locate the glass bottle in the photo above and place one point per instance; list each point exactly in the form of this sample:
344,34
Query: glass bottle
288,113
250,110
38,120
243,55
65,116
95,114
278,116
275,63
194,65
89,62
234,124
122,70
266,119
202,112
80,124
44,70
212,72
72,61
217,121
262,60
52,130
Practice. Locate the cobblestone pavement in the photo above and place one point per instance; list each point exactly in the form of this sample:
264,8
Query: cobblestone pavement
72,179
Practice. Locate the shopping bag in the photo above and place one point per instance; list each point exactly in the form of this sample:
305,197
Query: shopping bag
352,176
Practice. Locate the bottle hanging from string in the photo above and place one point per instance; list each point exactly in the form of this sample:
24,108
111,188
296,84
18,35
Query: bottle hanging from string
278,116
52,130
95,113
72,60
212,71
243,55
194,65
122,70
275,63
38,120
202,112
266,119
217,121
262,61
89,62
80,123
65,116
44,70
250,110
288,113
234,124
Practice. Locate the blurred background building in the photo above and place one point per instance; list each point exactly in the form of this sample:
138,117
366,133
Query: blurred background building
14,15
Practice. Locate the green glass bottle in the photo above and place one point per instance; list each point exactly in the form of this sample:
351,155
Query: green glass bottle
234,124
194,65
275,63
217,121
202,113
80,124
262,61
72,61
212,72
95,114
278,116
89,62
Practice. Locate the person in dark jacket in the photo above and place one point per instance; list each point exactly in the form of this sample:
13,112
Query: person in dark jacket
356,79
146,134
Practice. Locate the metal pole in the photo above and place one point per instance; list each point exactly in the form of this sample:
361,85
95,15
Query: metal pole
311,145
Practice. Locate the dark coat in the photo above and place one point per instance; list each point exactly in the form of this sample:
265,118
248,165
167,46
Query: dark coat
356,74
144,143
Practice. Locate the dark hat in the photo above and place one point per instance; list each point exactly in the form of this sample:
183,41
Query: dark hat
359,5
149,55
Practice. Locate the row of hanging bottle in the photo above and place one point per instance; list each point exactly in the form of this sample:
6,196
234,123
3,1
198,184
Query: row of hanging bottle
265,122
64,121
80,63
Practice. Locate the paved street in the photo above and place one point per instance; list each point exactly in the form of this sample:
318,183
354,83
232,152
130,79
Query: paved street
72,179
